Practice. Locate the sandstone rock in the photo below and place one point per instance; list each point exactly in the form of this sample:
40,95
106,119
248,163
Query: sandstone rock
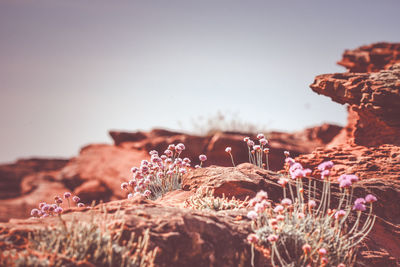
371,58
374,100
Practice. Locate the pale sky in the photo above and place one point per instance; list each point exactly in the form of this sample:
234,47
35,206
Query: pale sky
72,70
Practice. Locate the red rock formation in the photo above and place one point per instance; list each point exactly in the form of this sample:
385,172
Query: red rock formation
371,58
188,237
98,171
374,101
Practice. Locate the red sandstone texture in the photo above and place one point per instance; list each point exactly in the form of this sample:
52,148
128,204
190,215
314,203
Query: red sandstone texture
97,172
371,58
207,238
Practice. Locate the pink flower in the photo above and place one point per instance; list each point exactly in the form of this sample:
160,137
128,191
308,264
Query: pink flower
339,214
246,139
286,153
187,160
280,217
252,238
228,149
286,202
41,205
283,181
345,183
261,195
153,152
322,251
260,136
81,205
272,238
76,199
252,215
180,146
325,173
124,186
250,143
202,158
266,150
279,208
370,198
58,210
296,173
257,148
130,195
327,165
290,161
259,208
168,153
359,207
312,204
171,147
134,169
45,208
306,248
67,195
35,212
147,193
307,172
359,201
263,141
197,166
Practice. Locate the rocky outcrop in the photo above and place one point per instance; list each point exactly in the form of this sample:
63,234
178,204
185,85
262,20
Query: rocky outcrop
374,101
188,237
98,171
371,58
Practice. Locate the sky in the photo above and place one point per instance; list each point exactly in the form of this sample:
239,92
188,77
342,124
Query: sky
72,70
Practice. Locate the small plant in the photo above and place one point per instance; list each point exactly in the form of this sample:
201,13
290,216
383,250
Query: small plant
299,232
161,174
93,242
46,210
256,152
207,201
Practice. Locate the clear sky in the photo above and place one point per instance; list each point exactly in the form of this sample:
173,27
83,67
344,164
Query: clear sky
71,70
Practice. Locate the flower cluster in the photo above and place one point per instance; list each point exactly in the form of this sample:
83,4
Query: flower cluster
256,151
160,174
300,232
47,209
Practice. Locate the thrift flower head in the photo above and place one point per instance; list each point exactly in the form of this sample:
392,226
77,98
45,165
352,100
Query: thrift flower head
322,251
252,238
260,136
58,210
283,181
76,199
370,198
67,195
306,248
359,201
312,204
252,215
286,202
81,205
290,161
345,183
228,149
279,208
202,157
124,186
359,207
261,195
339,214
324,174
327,165
250,143
272,238
263,141
35,212
286,153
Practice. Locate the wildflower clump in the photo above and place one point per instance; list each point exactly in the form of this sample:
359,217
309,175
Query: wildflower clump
160,174
207,201
52,209
257,152
304,231
96,243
